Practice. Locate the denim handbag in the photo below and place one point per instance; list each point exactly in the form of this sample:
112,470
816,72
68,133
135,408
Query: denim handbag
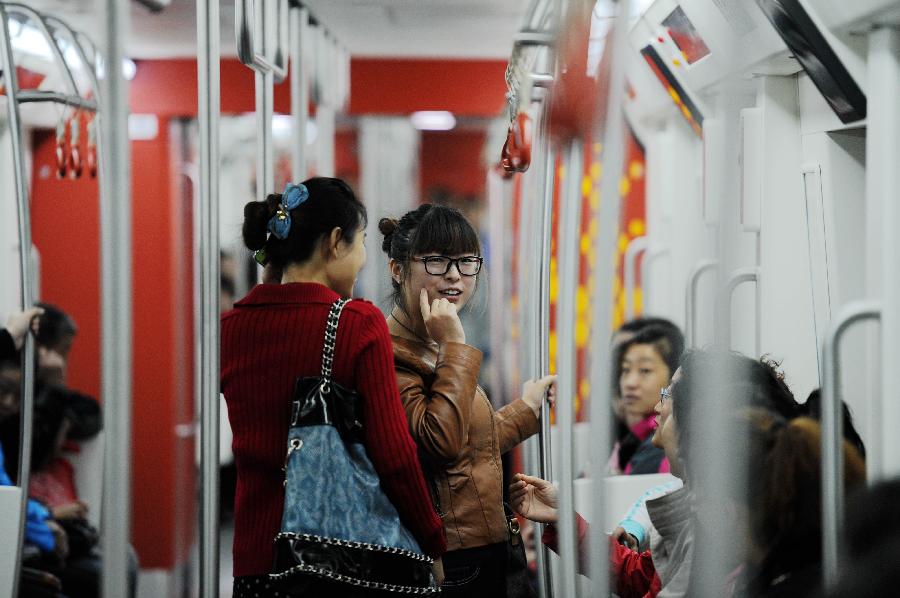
338,528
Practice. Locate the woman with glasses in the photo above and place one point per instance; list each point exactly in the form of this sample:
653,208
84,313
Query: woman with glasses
435,259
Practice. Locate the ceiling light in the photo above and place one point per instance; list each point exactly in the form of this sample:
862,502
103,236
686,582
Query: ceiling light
129,68
433,120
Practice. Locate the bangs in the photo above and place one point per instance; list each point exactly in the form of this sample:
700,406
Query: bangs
444,231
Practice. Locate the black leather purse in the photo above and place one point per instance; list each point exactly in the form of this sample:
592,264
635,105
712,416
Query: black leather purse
519,581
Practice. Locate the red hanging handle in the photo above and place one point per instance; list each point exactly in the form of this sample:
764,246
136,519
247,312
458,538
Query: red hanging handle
92,148
516,154
61,161
74,163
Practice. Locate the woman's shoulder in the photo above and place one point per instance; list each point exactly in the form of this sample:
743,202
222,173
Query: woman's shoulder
365,311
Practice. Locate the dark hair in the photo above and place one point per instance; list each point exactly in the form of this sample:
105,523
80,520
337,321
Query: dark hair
641,322
428,228
783,490
55,325
666,339
749,382
331,204
872,566
813,408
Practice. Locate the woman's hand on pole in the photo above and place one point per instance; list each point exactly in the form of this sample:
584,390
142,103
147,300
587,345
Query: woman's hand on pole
534,498
441,320
18,324
534,392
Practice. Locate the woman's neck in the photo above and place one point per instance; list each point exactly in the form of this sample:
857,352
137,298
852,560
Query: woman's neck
402,325
306,273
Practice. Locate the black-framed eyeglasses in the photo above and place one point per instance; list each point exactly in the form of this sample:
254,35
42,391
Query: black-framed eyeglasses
439,265
664,395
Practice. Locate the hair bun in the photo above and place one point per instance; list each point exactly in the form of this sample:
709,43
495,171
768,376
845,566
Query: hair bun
256,220
387,226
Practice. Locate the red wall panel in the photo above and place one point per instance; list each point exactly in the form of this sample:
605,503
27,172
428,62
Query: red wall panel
451,161
378,86
65,228
65,217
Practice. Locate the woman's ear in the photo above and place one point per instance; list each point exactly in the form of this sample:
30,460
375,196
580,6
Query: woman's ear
333,248
396,269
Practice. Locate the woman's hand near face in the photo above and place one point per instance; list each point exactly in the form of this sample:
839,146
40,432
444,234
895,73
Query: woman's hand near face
441,320
534,391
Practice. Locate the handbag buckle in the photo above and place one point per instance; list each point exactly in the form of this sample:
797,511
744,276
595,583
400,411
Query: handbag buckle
515,530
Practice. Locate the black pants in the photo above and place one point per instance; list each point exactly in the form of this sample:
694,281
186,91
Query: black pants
476,572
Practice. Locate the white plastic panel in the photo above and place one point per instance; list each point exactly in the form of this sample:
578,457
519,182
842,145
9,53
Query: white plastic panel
10,506
786,297
752,173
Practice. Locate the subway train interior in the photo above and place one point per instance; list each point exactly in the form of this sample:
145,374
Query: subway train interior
688,212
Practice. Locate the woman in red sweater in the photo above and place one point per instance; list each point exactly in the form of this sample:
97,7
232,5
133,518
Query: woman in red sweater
274,335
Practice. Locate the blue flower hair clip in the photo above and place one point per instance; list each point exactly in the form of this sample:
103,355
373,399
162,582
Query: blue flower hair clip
293,196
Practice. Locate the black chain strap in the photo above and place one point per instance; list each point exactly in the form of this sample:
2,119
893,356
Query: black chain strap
331,327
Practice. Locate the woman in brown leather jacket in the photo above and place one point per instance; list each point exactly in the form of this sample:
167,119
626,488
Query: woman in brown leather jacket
435,257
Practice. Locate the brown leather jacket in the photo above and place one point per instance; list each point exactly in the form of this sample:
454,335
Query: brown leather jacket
460,437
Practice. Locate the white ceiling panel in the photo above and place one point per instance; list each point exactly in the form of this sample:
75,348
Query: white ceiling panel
408,28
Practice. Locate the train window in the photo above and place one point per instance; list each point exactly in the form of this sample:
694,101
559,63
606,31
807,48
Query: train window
685,36
37,67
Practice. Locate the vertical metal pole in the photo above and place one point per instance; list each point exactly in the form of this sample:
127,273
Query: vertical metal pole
882,182
498,301
833,436
265,175
208,91
116,253
601,373
26,414
542,304
568,242
299,91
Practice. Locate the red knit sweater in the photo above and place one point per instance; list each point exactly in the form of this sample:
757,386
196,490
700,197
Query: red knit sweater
273,336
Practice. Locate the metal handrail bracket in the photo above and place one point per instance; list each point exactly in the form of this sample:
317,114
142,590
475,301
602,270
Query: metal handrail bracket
737,278
690,300
635,246
248,53
653,253
833,434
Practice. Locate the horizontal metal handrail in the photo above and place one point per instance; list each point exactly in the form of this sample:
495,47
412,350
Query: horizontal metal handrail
246,47
36,95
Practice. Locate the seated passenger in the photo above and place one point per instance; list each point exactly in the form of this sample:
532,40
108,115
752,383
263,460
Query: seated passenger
624,420
871,552
666,566
644,364
44,538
